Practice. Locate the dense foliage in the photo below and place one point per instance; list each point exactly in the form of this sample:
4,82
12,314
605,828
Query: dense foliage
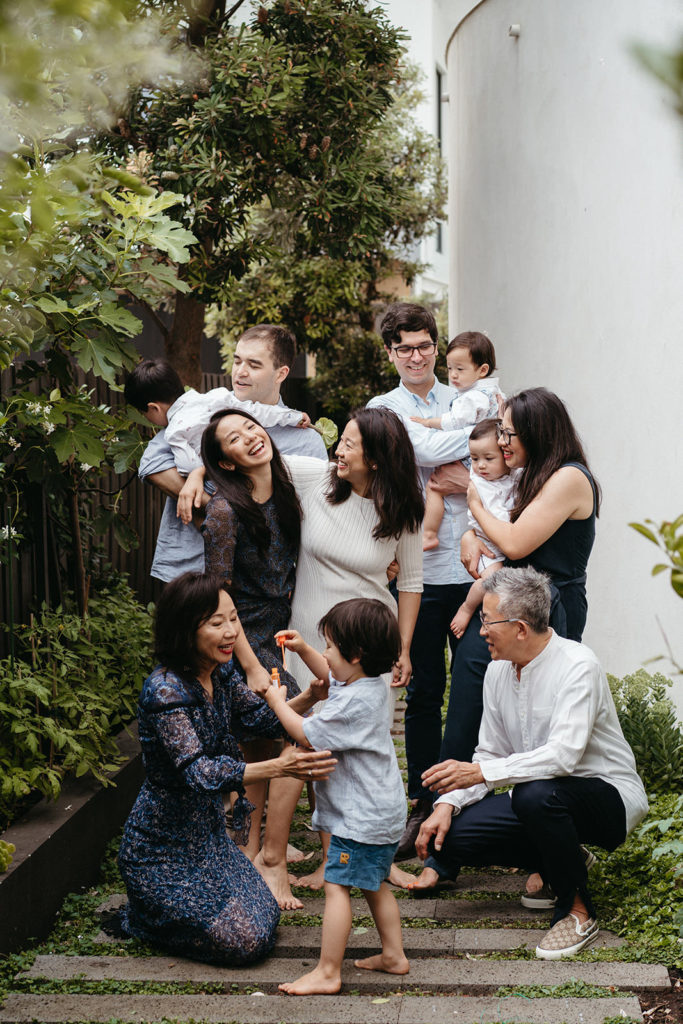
73,685
649,722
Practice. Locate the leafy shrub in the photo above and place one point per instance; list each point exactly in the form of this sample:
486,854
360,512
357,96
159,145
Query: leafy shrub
648,719
74,685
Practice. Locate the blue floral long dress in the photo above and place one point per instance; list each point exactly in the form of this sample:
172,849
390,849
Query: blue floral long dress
190,889
261,583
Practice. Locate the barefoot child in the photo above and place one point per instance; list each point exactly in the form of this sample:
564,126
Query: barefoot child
496,487
471,359
363,803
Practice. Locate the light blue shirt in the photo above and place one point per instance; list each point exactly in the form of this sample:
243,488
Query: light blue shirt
363,799
180,548
434,448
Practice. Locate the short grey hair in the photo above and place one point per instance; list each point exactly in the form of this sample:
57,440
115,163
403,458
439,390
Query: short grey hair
522,594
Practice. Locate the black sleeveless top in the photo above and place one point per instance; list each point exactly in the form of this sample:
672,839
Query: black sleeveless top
564,557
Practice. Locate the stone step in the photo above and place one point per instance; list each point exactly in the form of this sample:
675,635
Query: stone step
438,975
281,1009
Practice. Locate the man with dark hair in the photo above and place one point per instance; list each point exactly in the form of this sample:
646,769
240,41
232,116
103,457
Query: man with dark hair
257,375
550,730
410,338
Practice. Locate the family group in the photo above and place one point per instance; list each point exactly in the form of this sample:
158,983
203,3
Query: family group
299,592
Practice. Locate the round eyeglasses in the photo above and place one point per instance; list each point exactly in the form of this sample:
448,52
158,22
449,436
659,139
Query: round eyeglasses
425,348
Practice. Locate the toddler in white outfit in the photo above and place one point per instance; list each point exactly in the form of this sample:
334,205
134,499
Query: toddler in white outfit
496,486
471,359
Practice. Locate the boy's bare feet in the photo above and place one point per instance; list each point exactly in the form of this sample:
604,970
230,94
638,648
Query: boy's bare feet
461,621
403,879
276,878
317,981
426,880
315,880
430,540
384,962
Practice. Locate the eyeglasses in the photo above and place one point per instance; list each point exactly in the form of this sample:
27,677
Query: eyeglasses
497,622
505,434
425,348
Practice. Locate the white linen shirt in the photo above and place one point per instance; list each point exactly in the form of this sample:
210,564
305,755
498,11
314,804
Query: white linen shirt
557,720
477,402
434,448
190,414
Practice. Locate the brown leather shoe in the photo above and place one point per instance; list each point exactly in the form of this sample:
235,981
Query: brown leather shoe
406,845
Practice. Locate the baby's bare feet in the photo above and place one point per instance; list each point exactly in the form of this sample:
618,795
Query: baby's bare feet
315,982
461,621
384,962
276,878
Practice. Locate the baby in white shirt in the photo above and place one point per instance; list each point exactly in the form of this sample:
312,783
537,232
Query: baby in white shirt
156,390
471,359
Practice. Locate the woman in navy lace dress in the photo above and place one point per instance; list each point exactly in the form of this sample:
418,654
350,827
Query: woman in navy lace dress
190,889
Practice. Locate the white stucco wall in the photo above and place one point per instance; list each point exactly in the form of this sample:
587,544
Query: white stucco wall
566,220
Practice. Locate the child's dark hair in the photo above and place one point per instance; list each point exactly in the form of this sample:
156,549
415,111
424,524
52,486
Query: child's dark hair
185,603
152,380
366,629
480,348
485,428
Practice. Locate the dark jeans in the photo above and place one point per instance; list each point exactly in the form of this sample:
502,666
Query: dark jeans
424,694
538,828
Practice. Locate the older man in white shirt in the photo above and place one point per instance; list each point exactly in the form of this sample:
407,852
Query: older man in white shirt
549,729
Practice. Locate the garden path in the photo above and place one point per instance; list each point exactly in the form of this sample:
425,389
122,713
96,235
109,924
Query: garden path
471,954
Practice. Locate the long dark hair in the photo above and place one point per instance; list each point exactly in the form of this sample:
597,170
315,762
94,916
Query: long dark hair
235,486
394,486
185,603
543,426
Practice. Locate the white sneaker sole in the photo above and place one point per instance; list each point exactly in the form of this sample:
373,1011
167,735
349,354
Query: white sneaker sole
559,954
528,901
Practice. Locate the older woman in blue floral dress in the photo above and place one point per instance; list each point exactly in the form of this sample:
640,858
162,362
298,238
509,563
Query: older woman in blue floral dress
190,889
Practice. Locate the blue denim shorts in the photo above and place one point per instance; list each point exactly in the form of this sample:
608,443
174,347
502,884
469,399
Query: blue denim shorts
361,864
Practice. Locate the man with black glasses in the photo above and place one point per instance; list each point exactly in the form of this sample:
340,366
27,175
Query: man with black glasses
410,337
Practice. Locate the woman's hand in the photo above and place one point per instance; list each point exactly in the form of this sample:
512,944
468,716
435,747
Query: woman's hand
291,639
402,670
308,765
191,494
471,549
393,570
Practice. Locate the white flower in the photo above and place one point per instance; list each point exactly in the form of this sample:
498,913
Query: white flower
6,532
48,427
35,408
115,440
47,409
85,466
13,443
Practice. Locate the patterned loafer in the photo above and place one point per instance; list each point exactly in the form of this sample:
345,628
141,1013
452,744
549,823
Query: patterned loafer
567,937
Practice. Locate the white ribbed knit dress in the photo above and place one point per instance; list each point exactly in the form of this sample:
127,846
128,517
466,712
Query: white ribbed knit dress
339,558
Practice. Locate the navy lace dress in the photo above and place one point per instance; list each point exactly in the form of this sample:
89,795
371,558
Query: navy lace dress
190,889
261,584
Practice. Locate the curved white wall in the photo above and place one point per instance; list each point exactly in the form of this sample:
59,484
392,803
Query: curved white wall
566,221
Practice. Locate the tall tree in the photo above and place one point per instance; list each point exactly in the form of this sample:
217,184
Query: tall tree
274,148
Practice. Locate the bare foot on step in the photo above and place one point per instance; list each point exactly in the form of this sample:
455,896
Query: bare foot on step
295,856
315,982
314,881
403,879
384,962
276,878
426,880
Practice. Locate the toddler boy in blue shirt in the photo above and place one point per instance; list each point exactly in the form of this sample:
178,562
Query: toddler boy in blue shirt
362,804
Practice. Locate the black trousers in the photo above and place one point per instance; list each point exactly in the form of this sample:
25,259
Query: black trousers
538,826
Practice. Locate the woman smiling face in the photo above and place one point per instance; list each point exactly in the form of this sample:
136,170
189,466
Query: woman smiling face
216,635
351,464
510,445
244,444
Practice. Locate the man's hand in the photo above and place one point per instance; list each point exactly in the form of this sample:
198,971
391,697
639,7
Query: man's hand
392,570
437,825
448,775
454,478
